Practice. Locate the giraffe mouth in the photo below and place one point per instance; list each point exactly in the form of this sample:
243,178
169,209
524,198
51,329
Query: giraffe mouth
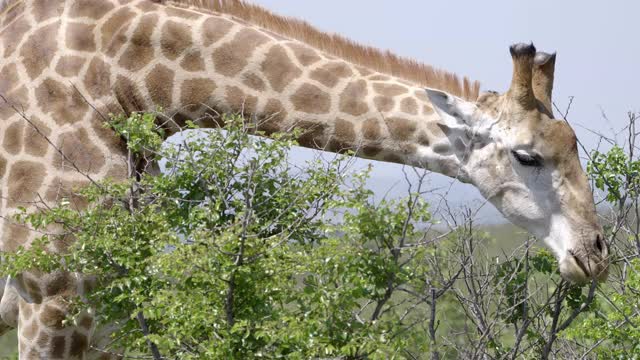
583,269
580,264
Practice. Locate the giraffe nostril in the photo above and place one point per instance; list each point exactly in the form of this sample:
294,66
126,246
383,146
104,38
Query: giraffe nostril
600,244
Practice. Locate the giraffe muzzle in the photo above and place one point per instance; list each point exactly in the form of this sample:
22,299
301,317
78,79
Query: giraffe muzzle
581,266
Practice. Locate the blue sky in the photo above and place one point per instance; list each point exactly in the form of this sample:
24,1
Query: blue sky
596,41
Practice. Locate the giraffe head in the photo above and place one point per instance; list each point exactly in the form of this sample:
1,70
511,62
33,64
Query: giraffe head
526,163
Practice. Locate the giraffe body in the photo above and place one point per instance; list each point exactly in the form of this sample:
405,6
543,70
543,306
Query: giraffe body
66,64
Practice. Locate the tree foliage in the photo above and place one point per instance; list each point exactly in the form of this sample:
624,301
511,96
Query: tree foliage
232,252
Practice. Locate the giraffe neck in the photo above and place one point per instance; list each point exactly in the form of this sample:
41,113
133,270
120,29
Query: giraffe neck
195,65
67,61
66,64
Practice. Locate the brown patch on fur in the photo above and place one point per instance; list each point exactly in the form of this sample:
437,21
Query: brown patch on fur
79,344
400,129
140,50
393,158
192,61
12,142
94,9
278,68
352,98
389,90
117,172
13,34
371,150
379,77
181,13
39,50
241,102
115,144
371,129
311,99
33,288
52,317
128,95
14,236
43,339
409,106
196,92
8,78
159,83
114,31
558,146
11,11
305,55
80,150
146,6
329,74
214,29
230,58
64,103
18,98
253,81
344,131
313,135
176,38
364,71
85,321
274,113
34,142
25,179
106,357
383,103
370,57
338,146
57,347
56,283
560,139
80,37
61,189
210,120
43,10
97,80
427,110
3,166
408,149
423,139
422,96
70,65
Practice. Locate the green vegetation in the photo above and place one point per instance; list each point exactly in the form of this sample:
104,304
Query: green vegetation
231,254
9,346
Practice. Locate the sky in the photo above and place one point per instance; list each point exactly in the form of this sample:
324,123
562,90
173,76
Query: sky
597,45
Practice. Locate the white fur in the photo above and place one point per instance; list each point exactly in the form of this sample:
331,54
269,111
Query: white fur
529,196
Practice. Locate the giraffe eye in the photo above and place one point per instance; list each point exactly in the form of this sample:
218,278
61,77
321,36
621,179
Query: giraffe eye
526,159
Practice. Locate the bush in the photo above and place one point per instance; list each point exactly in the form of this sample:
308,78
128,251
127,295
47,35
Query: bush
232,253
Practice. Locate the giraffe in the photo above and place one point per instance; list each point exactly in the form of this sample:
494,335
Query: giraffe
64,64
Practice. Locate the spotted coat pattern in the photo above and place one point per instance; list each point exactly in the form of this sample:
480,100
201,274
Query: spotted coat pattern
66,64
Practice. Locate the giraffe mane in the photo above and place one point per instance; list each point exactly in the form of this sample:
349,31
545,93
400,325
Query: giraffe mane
340,46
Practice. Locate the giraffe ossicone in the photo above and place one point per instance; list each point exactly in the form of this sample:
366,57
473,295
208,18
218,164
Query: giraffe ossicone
65,64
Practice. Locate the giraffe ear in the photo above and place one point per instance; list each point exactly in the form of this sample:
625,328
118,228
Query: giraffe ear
453,111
